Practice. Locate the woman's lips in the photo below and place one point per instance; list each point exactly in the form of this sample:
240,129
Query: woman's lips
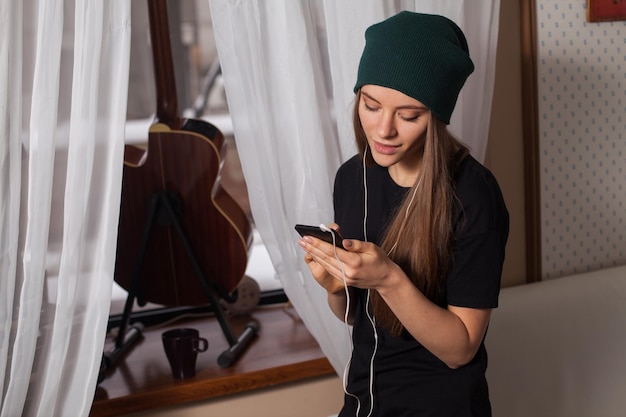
384,149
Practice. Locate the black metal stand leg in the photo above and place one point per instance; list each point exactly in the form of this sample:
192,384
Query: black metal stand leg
237,345
135,287
127,336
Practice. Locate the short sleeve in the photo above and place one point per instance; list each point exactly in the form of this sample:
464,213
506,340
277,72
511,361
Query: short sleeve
481,232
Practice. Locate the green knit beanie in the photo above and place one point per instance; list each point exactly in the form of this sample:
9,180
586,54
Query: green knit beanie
421,55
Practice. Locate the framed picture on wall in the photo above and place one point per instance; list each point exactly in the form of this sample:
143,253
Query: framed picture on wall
606,10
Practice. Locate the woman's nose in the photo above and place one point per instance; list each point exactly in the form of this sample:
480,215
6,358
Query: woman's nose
386,126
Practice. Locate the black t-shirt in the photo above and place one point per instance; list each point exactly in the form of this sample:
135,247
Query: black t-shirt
409,380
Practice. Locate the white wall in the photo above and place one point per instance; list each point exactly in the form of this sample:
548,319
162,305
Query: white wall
582,139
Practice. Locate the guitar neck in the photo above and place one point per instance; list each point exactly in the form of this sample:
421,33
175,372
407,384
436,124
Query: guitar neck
167,103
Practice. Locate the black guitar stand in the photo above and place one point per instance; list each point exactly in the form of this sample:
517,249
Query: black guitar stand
163,209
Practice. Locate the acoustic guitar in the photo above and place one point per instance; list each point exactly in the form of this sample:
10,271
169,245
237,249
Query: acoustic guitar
175,215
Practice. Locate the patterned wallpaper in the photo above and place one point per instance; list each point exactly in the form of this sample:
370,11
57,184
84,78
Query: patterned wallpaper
582,139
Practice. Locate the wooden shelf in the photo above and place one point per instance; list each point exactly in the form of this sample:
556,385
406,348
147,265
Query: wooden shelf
284,351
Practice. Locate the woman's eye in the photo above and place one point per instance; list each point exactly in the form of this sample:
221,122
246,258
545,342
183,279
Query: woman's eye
409,117
367,107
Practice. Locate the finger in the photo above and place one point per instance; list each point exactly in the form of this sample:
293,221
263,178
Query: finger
324,254
332,257
332,266
317,246
355,246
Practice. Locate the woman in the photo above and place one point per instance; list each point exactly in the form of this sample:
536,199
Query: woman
424,228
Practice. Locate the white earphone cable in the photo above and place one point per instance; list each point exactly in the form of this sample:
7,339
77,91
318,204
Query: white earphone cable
345,320
364,195
370,316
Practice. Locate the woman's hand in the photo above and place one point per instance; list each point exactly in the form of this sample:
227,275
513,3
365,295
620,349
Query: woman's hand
452,334
362,264
318,269
326,280
367,266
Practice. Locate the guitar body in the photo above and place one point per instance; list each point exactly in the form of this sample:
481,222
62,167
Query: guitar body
185,165
182,239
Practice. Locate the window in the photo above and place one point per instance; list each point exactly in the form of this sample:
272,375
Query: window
200,94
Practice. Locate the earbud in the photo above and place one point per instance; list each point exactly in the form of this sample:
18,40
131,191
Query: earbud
325,228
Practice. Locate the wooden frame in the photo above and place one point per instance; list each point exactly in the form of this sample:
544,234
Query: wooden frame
531,140
606,10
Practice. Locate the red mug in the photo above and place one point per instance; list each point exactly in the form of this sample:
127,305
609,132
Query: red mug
181,348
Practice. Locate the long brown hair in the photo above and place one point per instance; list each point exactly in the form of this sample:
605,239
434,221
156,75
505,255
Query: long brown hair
419,238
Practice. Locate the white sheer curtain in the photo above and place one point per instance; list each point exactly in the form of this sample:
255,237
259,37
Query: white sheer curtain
63,86
289,69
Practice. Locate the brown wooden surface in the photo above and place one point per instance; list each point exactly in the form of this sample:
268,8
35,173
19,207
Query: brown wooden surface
284,351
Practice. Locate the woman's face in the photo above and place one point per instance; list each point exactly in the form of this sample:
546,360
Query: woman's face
395,126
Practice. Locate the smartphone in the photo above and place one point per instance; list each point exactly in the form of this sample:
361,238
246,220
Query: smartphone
315,231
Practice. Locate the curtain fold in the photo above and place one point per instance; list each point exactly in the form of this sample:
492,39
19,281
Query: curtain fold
479,21
289,69
10,168
63,133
